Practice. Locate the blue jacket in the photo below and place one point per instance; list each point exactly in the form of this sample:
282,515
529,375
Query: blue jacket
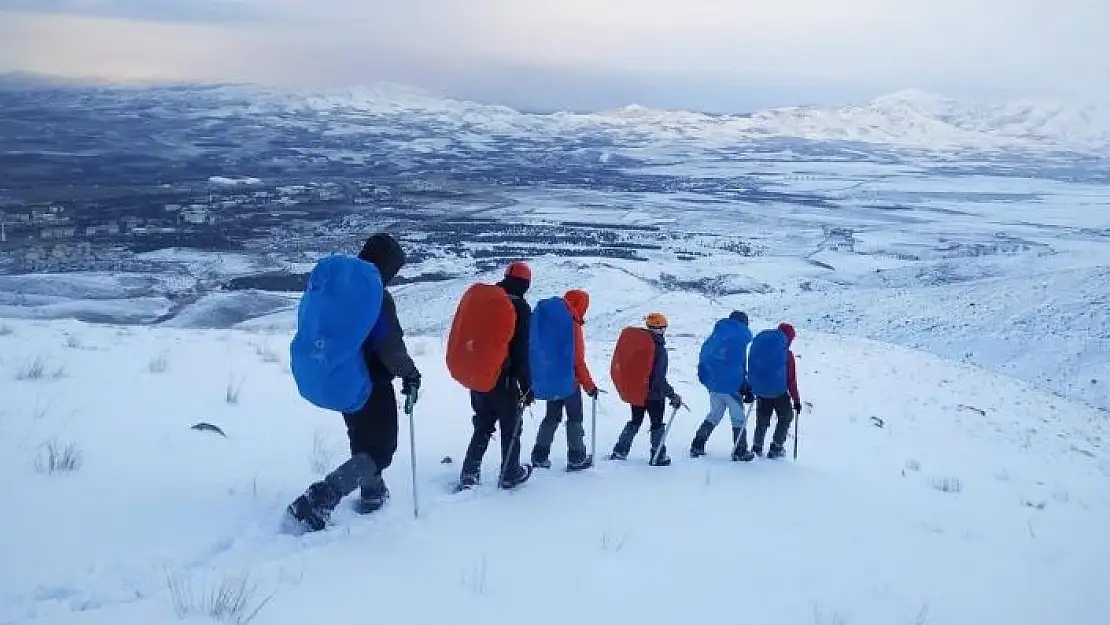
658,387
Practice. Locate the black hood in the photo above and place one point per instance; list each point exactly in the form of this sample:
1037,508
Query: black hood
385,253
514,286
740,316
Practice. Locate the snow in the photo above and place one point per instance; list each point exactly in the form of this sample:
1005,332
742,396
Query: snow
981,499
907,119
233,182
203,262
953,352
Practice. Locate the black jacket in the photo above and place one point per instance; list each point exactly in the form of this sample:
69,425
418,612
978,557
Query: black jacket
516,368
386,355
658,386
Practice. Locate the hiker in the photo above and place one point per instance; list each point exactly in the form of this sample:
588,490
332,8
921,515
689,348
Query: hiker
576,302
488,354
722,369
372,428
773,380
652,387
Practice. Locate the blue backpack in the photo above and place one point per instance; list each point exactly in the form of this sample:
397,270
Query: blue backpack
551,349
722,363
767,363
338,311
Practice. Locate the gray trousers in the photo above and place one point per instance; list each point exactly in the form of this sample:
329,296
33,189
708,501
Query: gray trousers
576,433
719,402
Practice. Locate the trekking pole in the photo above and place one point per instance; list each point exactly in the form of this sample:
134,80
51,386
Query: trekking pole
593,430
512,441
744,433
410,405
666,430
796,419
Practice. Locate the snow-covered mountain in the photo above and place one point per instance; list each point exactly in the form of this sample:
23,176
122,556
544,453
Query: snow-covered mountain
946,265
910,118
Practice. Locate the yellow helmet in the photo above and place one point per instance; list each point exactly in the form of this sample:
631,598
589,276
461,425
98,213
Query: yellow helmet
656,321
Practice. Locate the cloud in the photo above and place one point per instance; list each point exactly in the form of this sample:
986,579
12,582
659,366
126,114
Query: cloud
711,54
153,10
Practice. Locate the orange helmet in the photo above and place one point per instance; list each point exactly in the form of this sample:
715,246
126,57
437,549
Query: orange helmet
520,270
656,321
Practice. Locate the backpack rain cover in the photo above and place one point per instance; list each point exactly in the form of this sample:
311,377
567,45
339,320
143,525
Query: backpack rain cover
338,310
551,350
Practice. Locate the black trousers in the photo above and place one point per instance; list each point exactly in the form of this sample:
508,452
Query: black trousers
783,408
654,410
501,409
373,429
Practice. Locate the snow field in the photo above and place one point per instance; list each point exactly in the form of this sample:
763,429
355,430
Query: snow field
978,500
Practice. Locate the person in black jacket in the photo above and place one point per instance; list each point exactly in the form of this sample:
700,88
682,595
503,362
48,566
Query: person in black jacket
659,391
503,406
372,430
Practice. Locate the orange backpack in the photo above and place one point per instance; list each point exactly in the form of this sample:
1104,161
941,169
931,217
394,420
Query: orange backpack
481,331
631,365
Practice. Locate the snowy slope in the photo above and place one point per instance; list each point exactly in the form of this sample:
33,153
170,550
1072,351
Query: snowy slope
976,488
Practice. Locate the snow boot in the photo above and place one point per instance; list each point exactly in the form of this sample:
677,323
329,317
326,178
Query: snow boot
540,457
624,441
468,480
658,456
373,497
579,464
776,451
697,447
313,509
740,451
510,482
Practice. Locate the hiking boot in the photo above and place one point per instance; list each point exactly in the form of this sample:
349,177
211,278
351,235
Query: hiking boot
468,480
657,447
579,464
373,497
510,482
740,451
313,508
541,456
697,446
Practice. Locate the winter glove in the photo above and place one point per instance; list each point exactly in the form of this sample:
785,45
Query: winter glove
746,394
676,401
527,398
410,388
592,393
797,407
411,384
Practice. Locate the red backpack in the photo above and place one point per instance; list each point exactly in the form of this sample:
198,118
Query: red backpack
631,366
478,344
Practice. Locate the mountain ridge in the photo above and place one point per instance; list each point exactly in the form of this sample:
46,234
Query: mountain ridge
909,118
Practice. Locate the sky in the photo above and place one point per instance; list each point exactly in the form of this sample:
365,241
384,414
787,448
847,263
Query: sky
710,55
